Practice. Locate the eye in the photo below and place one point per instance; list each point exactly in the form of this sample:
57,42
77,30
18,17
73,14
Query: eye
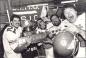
66,26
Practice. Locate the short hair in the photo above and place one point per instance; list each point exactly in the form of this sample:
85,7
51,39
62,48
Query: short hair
69,6
53,15
39,19
15,16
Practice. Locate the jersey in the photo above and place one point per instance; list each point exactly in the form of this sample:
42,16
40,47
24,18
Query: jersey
80,23
10,35
52,29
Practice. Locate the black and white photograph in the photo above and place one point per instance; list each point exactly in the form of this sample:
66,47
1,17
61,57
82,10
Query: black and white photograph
42,29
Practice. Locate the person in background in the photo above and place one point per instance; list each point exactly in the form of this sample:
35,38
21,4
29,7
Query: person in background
52,27
54,24
13,42
41,28
30,31
47,43
75,24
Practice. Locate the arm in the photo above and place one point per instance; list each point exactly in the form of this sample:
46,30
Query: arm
22,44
38,37
83,34
17,44
73,28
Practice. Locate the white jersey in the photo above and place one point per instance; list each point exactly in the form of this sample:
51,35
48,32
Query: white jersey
80,22
38,30
10,35
53,29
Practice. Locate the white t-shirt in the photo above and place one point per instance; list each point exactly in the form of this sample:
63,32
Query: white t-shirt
10,35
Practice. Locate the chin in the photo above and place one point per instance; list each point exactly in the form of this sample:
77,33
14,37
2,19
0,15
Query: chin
16,26
72,21
55,24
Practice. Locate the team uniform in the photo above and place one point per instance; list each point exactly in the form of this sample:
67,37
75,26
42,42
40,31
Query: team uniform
80,23
10,36
49,48
51,52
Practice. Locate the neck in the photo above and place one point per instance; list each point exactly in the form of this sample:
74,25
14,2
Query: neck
14,26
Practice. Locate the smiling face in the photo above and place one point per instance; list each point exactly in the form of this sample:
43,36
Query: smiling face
41,24
55,20
16,22
70,14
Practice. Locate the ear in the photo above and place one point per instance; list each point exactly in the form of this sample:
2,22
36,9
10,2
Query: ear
11,22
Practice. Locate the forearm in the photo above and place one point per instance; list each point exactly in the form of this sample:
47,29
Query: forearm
19,44
83,34
23,42
38,37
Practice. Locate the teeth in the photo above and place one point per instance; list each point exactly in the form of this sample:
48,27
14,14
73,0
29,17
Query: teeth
71,17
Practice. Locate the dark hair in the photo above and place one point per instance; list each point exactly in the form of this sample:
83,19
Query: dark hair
53,15
69,6
39,19
15,16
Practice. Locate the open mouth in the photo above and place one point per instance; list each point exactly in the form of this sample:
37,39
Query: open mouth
71,17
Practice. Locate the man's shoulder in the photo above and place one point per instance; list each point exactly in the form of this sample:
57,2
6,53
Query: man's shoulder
8,31
9,28
81,16
80,22
49,25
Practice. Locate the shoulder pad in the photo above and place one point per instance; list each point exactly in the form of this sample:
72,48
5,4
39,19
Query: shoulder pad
10,28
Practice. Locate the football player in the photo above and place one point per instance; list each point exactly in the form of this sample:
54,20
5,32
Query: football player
12,41
75,24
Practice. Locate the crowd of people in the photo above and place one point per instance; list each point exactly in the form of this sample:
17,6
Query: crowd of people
36,36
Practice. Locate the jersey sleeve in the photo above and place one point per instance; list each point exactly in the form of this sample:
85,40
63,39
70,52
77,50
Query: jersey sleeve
11,37
16,43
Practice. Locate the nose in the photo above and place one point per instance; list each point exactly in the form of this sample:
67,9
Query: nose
70,15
